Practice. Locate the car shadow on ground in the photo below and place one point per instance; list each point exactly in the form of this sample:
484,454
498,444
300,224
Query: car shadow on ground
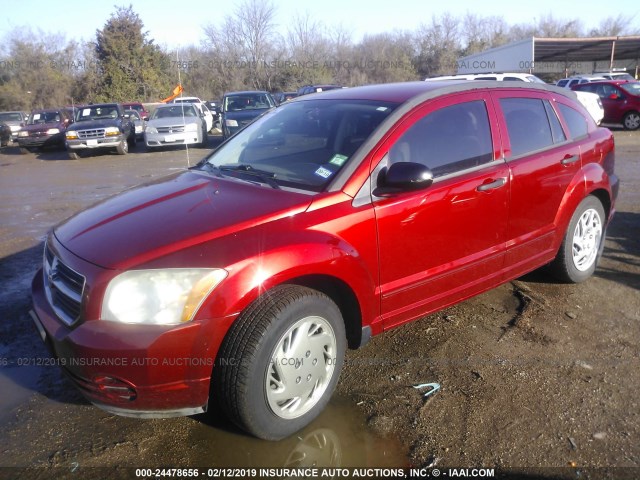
621,255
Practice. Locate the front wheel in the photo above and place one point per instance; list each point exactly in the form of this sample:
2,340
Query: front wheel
583,243
280,361
631,121
123,147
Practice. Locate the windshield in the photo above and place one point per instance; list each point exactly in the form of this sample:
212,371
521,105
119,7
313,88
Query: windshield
43,117
133,115
180,110
10,117
247,101
97,112
633,88
301,144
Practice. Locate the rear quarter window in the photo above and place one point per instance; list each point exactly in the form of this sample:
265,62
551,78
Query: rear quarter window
576,123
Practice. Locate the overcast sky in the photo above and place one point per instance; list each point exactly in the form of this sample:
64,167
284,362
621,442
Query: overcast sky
179,23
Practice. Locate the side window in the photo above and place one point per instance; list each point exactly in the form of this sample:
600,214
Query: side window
589,87
556,127
448,140
527,123
575,121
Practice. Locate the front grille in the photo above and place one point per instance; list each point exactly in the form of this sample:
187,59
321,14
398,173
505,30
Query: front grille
95,133
172,129
64,288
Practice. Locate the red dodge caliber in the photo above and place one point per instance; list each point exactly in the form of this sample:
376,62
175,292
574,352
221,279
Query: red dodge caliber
334,217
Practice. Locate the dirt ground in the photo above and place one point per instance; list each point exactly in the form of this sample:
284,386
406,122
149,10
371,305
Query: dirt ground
534,376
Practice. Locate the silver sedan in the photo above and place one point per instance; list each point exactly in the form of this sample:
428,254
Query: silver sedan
175,124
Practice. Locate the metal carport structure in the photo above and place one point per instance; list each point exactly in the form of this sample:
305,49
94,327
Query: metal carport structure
557,55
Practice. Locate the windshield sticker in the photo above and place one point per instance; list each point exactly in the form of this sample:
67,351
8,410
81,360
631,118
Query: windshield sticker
382,109
86,111
323,172
36,116
338,160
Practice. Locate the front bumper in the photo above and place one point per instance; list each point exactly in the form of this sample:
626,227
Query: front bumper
149,371
168,139
107,142
41,141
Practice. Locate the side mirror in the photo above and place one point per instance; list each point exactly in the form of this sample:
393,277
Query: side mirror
403,176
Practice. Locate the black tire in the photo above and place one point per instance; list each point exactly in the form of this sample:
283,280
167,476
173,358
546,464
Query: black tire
132,141
246,382
631,120
123,148
72,155
205,141
583,243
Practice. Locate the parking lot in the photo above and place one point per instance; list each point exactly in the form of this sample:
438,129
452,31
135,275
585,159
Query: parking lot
533,375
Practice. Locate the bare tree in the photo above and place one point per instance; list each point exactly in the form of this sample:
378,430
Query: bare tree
614,26
437,46
245,44
480,33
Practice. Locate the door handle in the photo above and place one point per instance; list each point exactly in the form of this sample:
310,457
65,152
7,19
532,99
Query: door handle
569,159
492,185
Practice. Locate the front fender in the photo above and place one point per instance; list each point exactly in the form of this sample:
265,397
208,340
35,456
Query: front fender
317,254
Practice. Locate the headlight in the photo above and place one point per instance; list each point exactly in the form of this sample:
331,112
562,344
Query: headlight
159,297
53,131
71,134
23,134
111,131
150,129
231,123
191,127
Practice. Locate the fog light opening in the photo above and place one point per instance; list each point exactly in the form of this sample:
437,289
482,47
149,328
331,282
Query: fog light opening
115,389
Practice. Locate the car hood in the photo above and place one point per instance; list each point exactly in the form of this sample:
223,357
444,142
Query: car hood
176,212
91,124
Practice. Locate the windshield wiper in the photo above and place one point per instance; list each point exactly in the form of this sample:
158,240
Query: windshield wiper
264,176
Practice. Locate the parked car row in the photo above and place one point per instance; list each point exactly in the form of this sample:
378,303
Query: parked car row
591,102
108,126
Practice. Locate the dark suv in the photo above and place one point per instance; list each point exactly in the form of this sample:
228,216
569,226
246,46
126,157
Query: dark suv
241,108
307,89
240,283
100,126
620,99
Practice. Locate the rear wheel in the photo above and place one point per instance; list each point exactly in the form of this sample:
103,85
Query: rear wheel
583,242
631,121
280,362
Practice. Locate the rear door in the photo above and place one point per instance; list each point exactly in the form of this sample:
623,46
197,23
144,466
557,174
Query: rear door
446,242
543,162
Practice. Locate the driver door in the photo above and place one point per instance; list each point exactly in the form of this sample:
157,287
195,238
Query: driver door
446,242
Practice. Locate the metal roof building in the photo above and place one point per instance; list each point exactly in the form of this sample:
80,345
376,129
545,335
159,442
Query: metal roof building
557,55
